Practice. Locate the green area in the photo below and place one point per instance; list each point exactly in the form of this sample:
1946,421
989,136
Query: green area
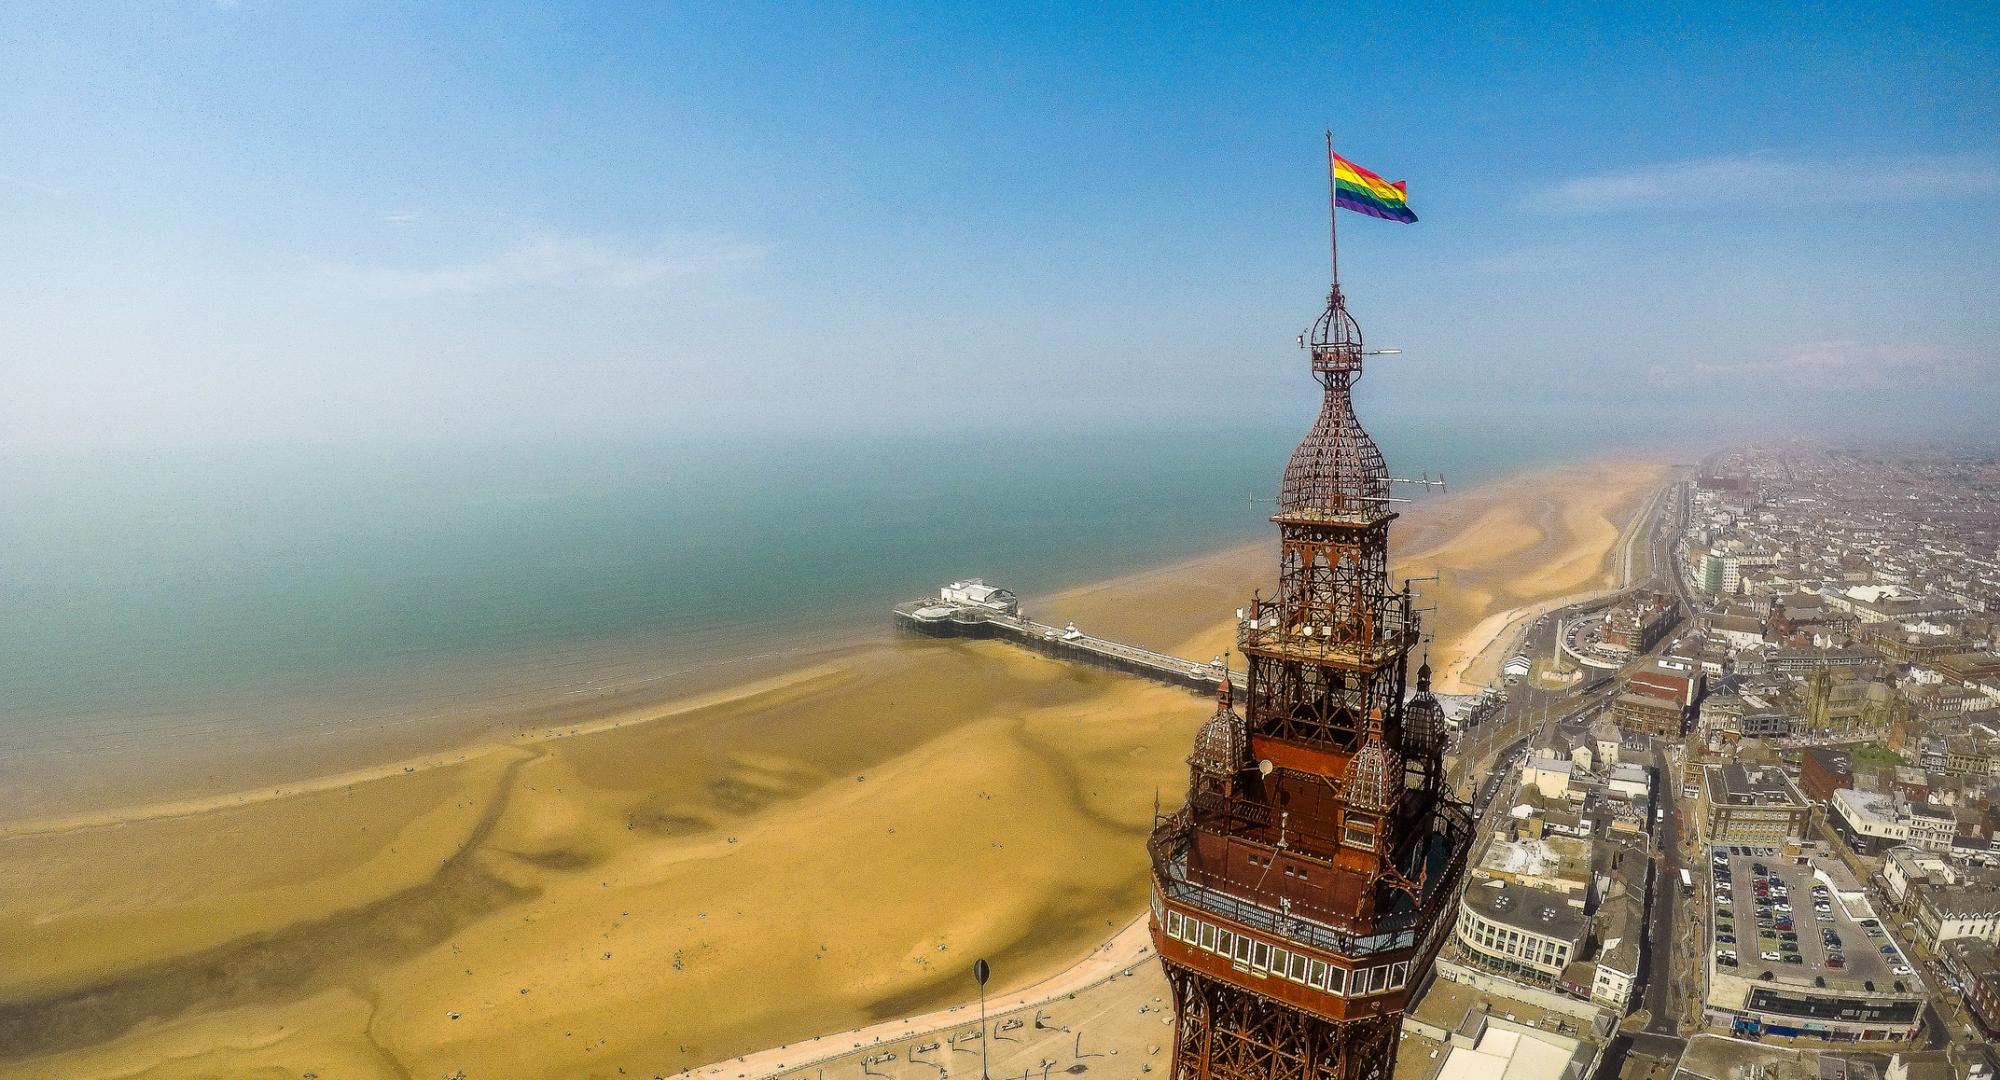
1874,754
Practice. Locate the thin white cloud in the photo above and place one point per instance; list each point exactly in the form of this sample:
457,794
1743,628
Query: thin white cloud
557,262
1722,182
399,217
1828,364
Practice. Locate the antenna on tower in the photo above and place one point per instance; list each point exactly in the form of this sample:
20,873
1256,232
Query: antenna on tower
1332,213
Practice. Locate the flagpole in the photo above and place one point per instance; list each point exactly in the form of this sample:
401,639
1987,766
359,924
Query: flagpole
1332,212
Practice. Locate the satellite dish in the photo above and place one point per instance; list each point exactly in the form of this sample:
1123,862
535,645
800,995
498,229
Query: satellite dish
980,971
1264,767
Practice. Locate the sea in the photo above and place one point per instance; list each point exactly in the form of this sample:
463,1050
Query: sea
221,602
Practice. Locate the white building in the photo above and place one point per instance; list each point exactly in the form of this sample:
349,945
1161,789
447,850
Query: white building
1931,827
1631,780
1945,913
1867,821
1531,934
1549,775
1617,975
975,592
1904,867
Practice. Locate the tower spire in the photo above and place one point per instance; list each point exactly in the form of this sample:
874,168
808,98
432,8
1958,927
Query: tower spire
1298,902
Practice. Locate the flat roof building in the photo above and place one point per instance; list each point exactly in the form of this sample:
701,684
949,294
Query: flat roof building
1867,822
1468,1033
1528,934
1751,804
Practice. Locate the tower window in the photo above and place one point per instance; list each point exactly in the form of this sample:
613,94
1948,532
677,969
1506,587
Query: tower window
1358,829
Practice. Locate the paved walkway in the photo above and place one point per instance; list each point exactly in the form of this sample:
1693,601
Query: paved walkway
1131,946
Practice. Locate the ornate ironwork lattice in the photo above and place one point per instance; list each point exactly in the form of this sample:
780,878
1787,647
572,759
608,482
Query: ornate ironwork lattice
1220,747
1423,737
1223,1032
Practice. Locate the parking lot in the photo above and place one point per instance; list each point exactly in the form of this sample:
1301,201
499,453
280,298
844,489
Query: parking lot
1772,914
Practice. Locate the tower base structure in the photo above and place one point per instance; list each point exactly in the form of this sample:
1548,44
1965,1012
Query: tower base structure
1225,1032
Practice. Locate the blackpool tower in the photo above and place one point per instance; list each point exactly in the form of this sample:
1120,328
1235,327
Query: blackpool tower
1302,891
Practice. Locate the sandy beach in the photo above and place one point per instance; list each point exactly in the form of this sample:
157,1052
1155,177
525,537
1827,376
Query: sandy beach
669,884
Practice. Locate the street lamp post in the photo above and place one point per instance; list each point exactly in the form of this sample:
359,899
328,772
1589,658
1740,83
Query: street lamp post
979,973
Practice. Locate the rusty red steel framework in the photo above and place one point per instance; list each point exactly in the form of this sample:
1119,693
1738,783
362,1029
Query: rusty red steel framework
1302,891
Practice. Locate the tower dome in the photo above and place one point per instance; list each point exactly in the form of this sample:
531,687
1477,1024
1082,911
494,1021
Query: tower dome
1220,748
1337,469
1374,778
1423,718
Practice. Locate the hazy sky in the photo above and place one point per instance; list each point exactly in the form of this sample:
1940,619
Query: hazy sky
295,221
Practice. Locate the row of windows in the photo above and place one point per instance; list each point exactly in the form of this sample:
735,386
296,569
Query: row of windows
1263,958
1496,938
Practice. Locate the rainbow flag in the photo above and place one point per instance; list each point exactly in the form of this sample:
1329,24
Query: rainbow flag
1357,189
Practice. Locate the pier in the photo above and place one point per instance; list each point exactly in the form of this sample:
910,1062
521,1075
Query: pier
973,609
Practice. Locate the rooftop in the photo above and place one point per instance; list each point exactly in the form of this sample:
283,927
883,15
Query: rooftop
1751,785
1537,910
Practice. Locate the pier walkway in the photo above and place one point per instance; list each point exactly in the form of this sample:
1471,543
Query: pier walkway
953,618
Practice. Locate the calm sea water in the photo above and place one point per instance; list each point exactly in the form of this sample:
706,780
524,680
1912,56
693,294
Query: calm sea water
212,597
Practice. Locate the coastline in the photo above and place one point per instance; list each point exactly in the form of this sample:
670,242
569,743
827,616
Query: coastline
651,823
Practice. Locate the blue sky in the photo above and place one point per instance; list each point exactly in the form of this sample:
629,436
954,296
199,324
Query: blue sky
294,222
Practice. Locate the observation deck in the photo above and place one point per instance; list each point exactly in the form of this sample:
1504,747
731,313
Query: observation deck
1293,951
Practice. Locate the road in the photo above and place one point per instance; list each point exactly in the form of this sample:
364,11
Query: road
1660,930
1653,1045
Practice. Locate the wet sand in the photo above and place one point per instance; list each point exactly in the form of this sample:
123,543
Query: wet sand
671,884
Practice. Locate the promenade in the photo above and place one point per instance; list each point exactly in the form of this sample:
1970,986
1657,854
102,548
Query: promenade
1093,1008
